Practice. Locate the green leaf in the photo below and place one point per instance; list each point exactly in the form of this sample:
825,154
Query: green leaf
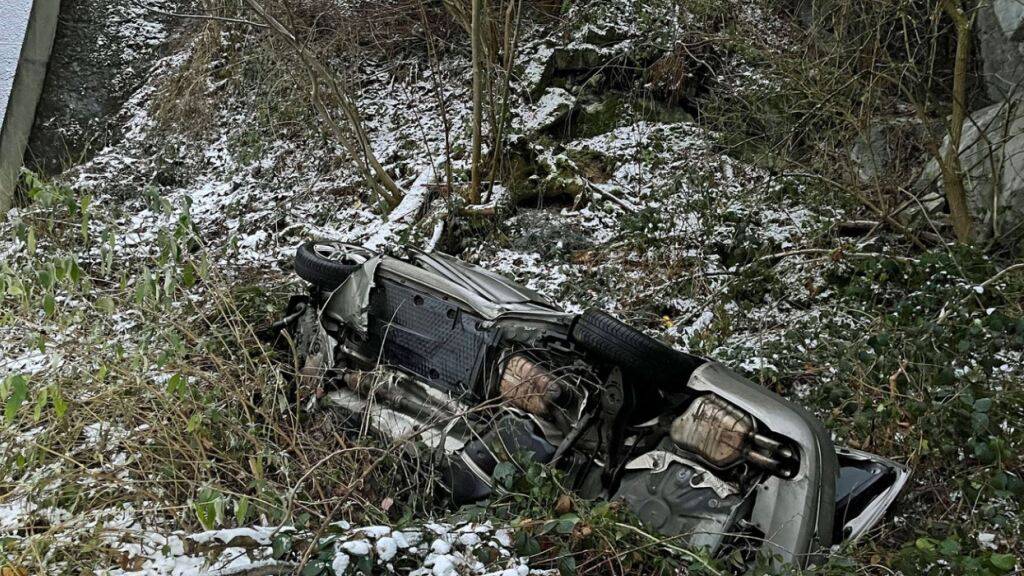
281,545
1004,562
566,523
209,508
60,406
106,304
526,545
567,565
176,384
504,474
314,568
949,547
205,514
979,421
242,509
40,403
982,405
49,305
188,275
19,391
15,287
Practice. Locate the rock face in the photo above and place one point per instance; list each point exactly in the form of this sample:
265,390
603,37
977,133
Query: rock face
992,155
999,29
1010,14
554,105
102,52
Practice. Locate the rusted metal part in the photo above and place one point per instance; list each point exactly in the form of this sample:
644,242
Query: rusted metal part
528,386
713,429
723,435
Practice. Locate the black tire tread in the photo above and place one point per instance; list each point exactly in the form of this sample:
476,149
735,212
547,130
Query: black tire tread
323,272
634,352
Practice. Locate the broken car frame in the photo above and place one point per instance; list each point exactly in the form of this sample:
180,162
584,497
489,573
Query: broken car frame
481,370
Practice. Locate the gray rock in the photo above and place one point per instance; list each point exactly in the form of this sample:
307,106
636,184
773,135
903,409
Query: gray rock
1010,15
871,154
889,148
992,156
537,67
999,28
554,105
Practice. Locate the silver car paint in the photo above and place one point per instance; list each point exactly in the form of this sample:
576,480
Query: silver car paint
795,514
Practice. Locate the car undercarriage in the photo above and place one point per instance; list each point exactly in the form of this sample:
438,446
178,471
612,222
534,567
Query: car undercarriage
473,370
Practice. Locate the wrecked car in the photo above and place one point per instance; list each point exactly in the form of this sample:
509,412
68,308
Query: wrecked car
481,370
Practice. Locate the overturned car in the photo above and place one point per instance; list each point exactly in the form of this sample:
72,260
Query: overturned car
482,370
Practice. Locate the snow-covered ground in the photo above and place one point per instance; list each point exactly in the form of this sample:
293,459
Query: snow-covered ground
697,248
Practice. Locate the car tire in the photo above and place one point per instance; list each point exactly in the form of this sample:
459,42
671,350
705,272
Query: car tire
602,335
328,264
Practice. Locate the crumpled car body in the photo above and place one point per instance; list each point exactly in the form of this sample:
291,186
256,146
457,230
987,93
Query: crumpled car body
480,370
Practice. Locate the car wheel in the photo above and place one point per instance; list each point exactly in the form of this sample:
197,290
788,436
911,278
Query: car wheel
328,264
600,334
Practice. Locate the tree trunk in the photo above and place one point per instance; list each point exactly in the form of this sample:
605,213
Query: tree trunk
476,36
952,171
462,12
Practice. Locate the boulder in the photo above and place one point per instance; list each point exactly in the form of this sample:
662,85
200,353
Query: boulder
1010,15
999,29
992,156
552,107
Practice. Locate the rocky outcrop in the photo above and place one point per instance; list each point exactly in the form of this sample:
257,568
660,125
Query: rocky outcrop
553,106
999,29
992,155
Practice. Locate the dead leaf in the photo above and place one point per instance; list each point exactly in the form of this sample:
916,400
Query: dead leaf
563,505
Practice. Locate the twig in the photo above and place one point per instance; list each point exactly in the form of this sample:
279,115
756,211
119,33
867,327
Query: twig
386,189
202,16
974,293
895,224
839,252
622,203
1001,273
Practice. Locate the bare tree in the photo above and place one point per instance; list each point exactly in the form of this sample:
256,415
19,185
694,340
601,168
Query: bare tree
477,43
949,163
354,139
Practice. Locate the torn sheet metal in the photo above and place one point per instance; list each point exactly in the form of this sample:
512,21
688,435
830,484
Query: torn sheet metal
350,302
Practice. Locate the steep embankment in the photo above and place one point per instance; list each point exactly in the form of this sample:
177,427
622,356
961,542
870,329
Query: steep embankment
149,431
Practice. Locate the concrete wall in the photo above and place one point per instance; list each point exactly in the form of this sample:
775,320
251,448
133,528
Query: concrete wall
14,15
26,36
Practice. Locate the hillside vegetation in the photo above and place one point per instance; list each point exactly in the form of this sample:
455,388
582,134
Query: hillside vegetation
696,168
